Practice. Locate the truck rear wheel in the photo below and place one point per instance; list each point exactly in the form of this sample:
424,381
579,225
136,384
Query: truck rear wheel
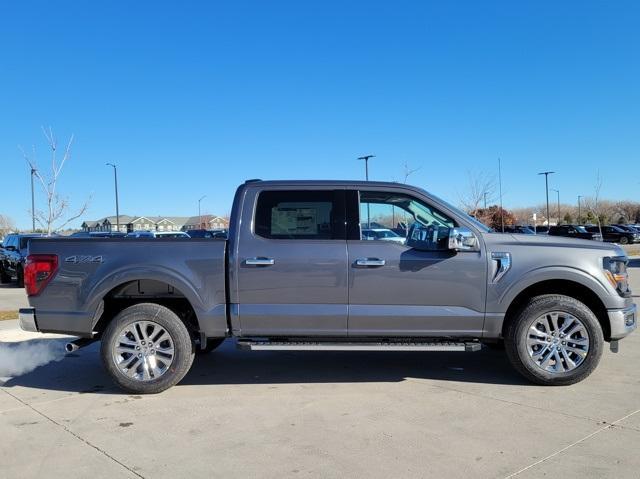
554,340
146,349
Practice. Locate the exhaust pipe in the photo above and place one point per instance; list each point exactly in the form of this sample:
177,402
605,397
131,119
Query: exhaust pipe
77,344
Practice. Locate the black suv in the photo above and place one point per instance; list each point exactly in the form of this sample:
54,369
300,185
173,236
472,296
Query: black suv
613,234
14,254
574,231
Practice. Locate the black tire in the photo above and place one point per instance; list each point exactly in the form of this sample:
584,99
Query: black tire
182,344
20,277
212,343
518,329
624,240
4,277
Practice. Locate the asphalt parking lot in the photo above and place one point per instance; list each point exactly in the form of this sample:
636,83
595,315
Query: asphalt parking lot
306,414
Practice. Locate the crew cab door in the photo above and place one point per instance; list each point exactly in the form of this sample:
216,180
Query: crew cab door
291,264
395,290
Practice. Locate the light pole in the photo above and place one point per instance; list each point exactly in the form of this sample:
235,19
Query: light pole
579,213
33,203
546,182
115,182
485,200
366,176
558,193
200,215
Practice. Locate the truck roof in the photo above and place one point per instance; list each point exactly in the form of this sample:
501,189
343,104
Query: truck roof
357,183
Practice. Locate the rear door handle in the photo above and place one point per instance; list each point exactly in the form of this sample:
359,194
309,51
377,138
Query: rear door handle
370,262
260,261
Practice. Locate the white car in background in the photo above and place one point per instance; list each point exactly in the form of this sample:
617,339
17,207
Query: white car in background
381,234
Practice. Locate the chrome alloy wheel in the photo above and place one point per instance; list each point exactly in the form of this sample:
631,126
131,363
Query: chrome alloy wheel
557,342
143,350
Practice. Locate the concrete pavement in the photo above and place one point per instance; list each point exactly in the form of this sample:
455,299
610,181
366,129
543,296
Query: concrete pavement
306,414
12,298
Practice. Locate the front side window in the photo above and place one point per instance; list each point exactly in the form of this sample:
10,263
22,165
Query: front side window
388,216
299,214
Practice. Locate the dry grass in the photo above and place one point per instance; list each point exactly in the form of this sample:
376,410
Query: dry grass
8,315
632,250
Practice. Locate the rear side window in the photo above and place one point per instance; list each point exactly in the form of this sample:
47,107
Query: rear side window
298,214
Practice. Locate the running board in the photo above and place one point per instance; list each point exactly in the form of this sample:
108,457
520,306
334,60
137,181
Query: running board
265,345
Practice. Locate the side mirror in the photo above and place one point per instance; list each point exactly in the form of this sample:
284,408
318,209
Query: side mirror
428,238
462,239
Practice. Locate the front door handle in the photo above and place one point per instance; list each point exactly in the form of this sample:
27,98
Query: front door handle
259,261
370,262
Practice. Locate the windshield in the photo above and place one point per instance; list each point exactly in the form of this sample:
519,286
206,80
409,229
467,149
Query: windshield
581,229
481,226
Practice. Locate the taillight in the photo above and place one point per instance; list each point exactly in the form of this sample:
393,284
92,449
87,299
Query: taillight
38,271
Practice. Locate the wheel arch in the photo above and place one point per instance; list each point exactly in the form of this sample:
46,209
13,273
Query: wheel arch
571,288
175,295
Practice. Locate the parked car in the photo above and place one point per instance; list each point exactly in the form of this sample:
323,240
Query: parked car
381,234
207,234
613,234
98,234
13,257
295,275
574,231
629,229
157,234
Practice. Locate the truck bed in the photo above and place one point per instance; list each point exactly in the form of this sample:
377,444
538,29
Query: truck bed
94,271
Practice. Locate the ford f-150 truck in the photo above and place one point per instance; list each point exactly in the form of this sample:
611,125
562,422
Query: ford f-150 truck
296,274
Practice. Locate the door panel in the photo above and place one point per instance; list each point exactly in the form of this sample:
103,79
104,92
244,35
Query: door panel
400,291
417,293
293,287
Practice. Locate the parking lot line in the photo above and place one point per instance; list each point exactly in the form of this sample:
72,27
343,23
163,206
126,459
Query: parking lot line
560,451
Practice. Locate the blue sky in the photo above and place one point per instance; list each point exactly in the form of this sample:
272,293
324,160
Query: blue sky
191,98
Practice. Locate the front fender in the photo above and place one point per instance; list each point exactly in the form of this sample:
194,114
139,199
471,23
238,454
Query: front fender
499,299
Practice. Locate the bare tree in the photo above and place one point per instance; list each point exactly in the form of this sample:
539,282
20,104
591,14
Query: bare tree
593,204
480,187
409,171
56,215
6,225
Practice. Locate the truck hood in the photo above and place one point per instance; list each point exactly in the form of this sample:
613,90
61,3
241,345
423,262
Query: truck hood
545,241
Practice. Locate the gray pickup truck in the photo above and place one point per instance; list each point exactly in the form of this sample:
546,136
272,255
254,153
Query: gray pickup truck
297,274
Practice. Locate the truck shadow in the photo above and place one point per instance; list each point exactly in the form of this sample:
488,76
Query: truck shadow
81,372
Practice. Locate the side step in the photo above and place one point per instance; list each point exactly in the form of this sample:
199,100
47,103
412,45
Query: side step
266,345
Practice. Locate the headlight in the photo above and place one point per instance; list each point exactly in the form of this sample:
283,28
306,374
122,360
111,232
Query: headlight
615,269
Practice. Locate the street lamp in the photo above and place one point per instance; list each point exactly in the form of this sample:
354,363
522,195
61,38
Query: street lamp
366,175
546,182
558,193
115,182
366,164
33,203
199,215
579,214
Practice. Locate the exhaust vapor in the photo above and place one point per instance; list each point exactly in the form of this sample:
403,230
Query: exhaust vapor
25,356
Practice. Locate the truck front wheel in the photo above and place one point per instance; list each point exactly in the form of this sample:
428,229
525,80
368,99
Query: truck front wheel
146,349
554,340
